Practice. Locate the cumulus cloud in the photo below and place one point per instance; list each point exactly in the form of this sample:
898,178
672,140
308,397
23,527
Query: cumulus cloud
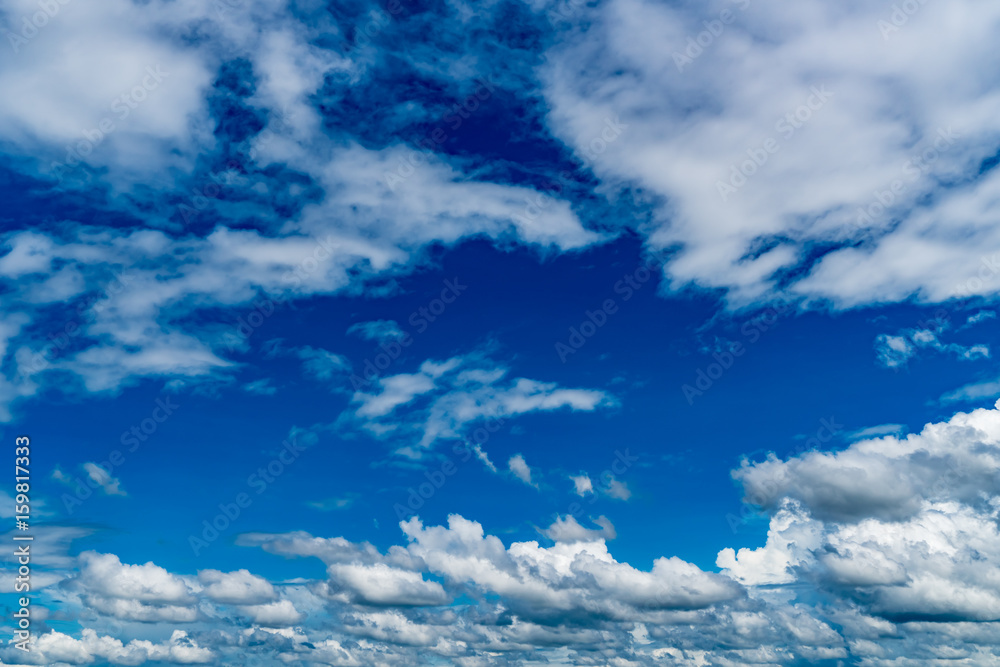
146,593
888,478
906,527
279,614
240,587
897,535
105,575
582,484
575,575
541,582
56,648
380,584
861,200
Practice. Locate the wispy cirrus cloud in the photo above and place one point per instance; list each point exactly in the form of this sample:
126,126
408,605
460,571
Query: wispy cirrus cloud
447,399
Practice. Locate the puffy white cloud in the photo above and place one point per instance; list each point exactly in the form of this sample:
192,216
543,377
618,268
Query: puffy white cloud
54,647
381,584
239,587
394,627
280,613
888,478
104,575
906,527
772,564
582,485
577,575
901,580
563,579
144,593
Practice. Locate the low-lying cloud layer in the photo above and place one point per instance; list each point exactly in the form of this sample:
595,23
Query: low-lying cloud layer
885,553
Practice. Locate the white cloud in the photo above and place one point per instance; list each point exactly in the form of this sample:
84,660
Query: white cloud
329,550
145,593
577,573
109,485
240,587
681,129
568,529
446,400
380,584
278,614
545,582
888,478
104,575
54,647
617,489
582,484
484,457
143,327
895,351
905,569
906,527
394,391
976,391
981,316
150,102
521,470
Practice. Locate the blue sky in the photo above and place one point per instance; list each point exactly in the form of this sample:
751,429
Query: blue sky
504,333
